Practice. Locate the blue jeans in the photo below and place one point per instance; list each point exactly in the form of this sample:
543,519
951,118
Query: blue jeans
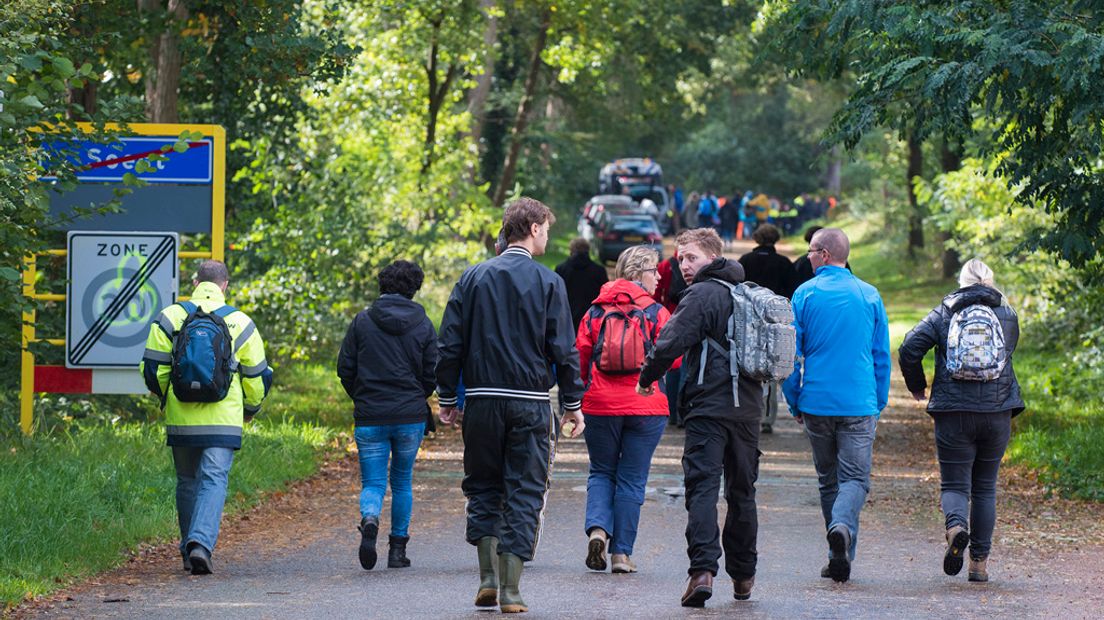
376,444
672,382
620,449
842,449
970,447
202,475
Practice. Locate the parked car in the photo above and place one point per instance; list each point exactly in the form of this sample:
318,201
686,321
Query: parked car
597,205
614,231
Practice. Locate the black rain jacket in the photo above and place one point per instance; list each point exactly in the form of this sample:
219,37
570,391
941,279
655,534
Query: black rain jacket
387,360
703,311
950,395
506,324
766,267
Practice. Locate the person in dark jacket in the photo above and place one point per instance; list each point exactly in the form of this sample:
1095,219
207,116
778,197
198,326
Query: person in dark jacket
507,324
720,435
973,419
766,267
389,402
583,277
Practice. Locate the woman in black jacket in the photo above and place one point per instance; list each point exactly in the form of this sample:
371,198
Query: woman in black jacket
386,366
974,396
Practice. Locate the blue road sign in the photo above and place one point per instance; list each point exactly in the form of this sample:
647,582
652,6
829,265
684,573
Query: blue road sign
109,162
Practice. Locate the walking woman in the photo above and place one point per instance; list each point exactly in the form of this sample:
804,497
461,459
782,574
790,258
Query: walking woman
622,427
386,366
974,396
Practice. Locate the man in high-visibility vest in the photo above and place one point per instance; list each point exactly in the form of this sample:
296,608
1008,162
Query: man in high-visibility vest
204,431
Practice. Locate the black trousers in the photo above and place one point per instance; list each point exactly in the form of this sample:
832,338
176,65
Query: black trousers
712,446
508,450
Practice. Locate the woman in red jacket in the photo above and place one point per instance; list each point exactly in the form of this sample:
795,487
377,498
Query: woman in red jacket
622,427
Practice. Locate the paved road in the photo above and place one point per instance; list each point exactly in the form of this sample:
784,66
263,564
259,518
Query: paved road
297,559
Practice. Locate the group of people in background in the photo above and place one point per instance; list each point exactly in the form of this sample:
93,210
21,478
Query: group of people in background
736,216
513,329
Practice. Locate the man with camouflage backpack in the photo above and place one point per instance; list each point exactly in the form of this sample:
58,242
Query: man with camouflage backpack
721,406
206,362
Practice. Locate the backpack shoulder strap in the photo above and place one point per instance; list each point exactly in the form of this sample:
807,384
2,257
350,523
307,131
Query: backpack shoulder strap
189,307
224,311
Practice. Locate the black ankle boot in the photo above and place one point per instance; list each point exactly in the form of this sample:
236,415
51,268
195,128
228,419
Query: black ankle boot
369,527
396,552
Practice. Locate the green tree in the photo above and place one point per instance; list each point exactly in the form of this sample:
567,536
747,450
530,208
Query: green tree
1033,67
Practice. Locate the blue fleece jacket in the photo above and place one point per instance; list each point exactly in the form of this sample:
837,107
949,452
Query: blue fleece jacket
843,342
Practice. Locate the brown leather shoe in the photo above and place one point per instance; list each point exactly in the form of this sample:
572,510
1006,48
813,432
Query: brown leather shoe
698,589
742,588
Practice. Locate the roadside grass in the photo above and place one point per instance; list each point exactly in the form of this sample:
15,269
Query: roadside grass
1061,432
79,496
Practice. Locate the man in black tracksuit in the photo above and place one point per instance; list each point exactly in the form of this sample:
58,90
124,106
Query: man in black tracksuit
506,326
720,436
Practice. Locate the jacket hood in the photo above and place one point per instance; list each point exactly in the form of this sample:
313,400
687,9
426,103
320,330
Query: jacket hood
619,291
971,295
396,314
730,271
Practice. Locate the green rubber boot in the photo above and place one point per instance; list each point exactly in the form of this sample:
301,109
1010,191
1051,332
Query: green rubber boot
509,571
488,583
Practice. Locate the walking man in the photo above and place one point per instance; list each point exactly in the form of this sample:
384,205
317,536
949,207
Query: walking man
766,267
721,436
843,340
506,326
206,362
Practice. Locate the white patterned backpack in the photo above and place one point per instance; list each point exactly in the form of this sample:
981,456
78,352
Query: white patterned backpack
975,345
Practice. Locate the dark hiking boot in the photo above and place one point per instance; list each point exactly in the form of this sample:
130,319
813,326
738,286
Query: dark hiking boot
187,562
509,578
596,549
742,588
979,570
957,541
839,547
200,560
369,529
825,573
488,582
396,552
766,429
699,587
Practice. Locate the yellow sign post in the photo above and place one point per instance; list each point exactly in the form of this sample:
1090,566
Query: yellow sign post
173,191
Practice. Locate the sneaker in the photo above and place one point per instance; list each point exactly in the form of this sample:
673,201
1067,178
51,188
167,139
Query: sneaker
200,559
622,563
957,541
839,547
596,549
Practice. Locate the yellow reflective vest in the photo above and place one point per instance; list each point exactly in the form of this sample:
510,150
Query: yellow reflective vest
217,424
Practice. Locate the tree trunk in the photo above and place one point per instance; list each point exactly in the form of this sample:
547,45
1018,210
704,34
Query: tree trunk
163,78
85,99
438,91
916,214
525,106
835,166
478,101
950,160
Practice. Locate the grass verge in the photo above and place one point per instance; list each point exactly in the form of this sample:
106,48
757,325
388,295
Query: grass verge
1060,433
78,497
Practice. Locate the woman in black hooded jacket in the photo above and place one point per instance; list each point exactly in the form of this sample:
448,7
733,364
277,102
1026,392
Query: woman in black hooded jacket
973,417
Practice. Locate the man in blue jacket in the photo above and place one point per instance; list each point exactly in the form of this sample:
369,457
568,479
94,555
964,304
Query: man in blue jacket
839,387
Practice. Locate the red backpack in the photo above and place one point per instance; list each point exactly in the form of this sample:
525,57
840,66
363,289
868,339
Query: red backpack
626,336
